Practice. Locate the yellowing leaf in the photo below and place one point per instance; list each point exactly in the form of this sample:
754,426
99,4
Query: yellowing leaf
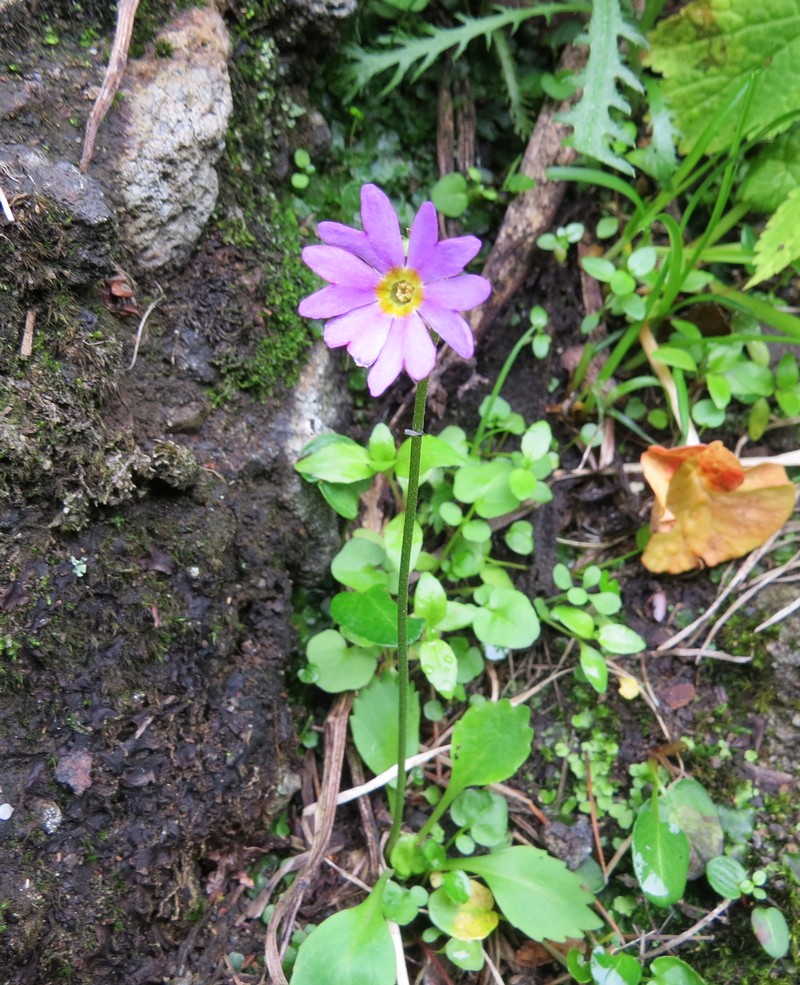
709,508
628,688
707,53
779,243
469,921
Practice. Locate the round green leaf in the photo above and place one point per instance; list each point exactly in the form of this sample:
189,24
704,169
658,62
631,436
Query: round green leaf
522,483
359,564
467,955
670,355
342,460
372,615
725,875
449,195
508,620
519,537
642,261
340,667
769,926
597,267
614,969
373,723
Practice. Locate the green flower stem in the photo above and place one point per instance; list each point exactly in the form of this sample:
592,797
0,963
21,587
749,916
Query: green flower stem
417,425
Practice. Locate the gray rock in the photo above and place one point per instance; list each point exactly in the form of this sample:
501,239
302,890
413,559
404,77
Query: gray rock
168,134
323,10
29,172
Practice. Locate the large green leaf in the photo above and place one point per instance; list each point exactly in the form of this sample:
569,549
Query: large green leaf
506,619
536,892
374,723
708,51
774,173
673,971
342,460
490,742
372,616
695,813
353,947
772,931
660,857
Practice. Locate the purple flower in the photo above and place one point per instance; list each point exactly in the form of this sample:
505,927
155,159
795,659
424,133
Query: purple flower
382,303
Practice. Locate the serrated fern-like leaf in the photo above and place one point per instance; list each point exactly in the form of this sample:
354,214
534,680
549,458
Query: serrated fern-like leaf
779,244
404,55
595,129
517,105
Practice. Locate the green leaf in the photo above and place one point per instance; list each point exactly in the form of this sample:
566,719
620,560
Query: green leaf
486,485
660,852
596,130
467,955
490,742
507,619
779,244
672,356
339,461
577,621
373,723
709,50
381,448
344,498
658,158
673,971
748,379
434,454
340,667
594,667
536,892
536,441
774,173
359,564
449,195
725,875
401,905
695,813
353,947
519,537
372,615
439,665
614,969
599,268
620,639
771,930
393,541
430,599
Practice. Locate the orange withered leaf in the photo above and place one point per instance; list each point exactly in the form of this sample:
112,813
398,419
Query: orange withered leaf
709,508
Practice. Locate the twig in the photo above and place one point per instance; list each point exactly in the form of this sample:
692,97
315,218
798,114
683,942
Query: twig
399,954
781,614
26,347
150,309
286,908
718,910
601,858
5,206
381,779
126,11
495,974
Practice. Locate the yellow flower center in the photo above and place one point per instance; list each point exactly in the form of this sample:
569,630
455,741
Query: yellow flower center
400,292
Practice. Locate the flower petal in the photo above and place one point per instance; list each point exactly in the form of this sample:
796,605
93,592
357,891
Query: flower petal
450,326
389,363
353,240
333,300
449,258
346,328
419,352
458,293
422,239
340,267
373,330
381,226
